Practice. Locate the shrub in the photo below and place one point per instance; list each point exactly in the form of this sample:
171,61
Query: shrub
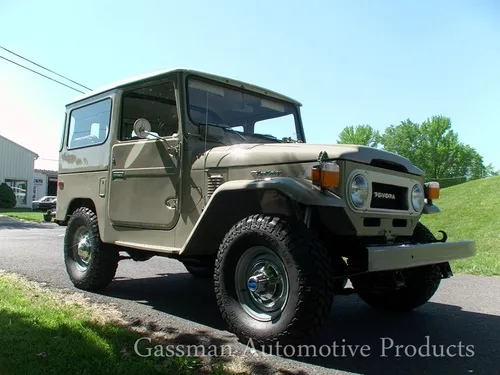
7,196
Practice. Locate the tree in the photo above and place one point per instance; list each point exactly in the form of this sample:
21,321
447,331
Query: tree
405,140
363,135
7,196
434,147
490,171
468,163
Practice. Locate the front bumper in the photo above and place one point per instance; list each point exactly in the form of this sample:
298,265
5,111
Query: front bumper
395,257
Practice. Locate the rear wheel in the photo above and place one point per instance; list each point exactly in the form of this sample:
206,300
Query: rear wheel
419,284
273,280
90,263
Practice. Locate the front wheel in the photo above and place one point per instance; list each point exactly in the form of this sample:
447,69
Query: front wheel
273,280
90,263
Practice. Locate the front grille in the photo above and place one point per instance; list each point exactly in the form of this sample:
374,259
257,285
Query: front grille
213,183
389,197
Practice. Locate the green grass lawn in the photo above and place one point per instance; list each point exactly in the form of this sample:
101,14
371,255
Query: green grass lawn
23,214
43,332
471,211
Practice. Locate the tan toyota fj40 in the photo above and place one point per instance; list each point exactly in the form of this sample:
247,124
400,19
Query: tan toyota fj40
217,174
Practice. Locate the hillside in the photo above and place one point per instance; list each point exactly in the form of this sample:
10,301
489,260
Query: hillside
471,211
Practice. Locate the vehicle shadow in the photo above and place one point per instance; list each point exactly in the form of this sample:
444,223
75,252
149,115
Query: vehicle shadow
178,294
183,296
9,223
458,341
435,338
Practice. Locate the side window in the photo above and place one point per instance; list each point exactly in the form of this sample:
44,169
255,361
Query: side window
156,104
89,125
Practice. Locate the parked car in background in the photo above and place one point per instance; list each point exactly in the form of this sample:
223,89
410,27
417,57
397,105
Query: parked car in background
45,203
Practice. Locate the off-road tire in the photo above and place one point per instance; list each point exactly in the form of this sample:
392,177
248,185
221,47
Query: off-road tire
310,275
104,262
421,283
422,234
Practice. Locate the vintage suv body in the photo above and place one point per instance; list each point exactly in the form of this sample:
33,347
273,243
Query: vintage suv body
217,173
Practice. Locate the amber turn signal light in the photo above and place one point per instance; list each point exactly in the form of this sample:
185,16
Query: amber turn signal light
432,190
326,175
316,175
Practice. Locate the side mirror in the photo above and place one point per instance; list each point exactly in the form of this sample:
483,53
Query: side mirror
142,127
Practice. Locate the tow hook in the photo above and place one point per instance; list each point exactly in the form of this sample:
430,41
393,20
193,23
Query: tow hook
445,236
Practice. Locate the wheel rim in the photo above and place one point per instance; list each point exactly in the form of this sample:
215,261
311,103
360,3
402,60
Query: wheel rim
261,283
82,248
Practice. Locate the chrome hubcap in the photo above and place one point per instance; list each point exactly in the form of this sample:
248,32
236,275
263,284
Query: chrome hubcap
83,247
262,283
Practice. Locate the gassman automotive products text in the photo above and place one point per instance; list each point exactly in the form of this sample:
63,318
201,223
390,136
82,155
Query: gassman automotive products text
388,348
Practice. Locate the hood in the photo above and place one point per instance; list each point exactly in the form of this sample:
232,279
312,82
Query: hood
246,155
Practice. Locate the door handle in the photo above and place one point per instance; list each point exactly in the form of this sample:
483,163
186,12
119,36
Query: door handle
118,175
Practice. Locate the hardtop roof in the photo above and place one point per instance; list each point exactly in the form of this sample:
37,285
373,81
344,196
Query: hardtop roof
157,74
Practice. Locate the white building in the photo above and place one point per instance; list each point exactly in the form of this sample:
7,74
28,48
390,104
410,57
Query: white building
17,169
45,183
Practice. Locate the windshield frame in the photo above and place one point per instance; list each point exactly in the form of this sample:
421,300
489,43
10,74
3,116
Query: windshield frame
299,130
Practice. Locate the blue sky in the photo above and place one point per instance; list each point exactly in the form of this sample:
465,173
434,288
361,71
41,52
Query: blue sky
348,62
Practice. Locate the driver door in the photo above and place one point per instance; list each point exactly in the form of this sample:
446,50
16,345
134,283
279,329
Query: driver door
145,172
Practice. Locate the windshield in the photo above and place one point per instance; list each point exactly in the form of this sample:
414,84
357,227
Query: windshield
246,117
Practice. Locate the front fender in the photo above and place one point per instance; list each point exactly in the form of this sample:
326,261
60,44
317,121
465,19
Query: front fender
234,200
299,190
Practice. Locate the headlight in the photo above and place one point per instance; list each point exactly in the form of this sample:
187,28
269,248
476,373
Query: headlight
417,198
359,191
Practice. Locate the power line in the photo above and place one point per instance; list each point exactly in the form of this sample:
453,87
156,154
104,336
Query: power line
41,66
43,75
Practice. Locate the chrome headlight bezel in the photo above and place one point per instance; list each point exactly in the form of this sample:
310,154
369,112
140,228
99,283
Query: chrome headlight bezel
359,200
417,197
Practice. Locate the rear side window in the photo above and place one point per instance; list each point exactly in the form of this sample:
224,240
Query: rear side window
89,125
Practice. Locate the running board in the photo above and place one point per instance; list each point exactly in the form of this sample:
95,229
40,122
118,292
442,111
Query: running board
146,247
